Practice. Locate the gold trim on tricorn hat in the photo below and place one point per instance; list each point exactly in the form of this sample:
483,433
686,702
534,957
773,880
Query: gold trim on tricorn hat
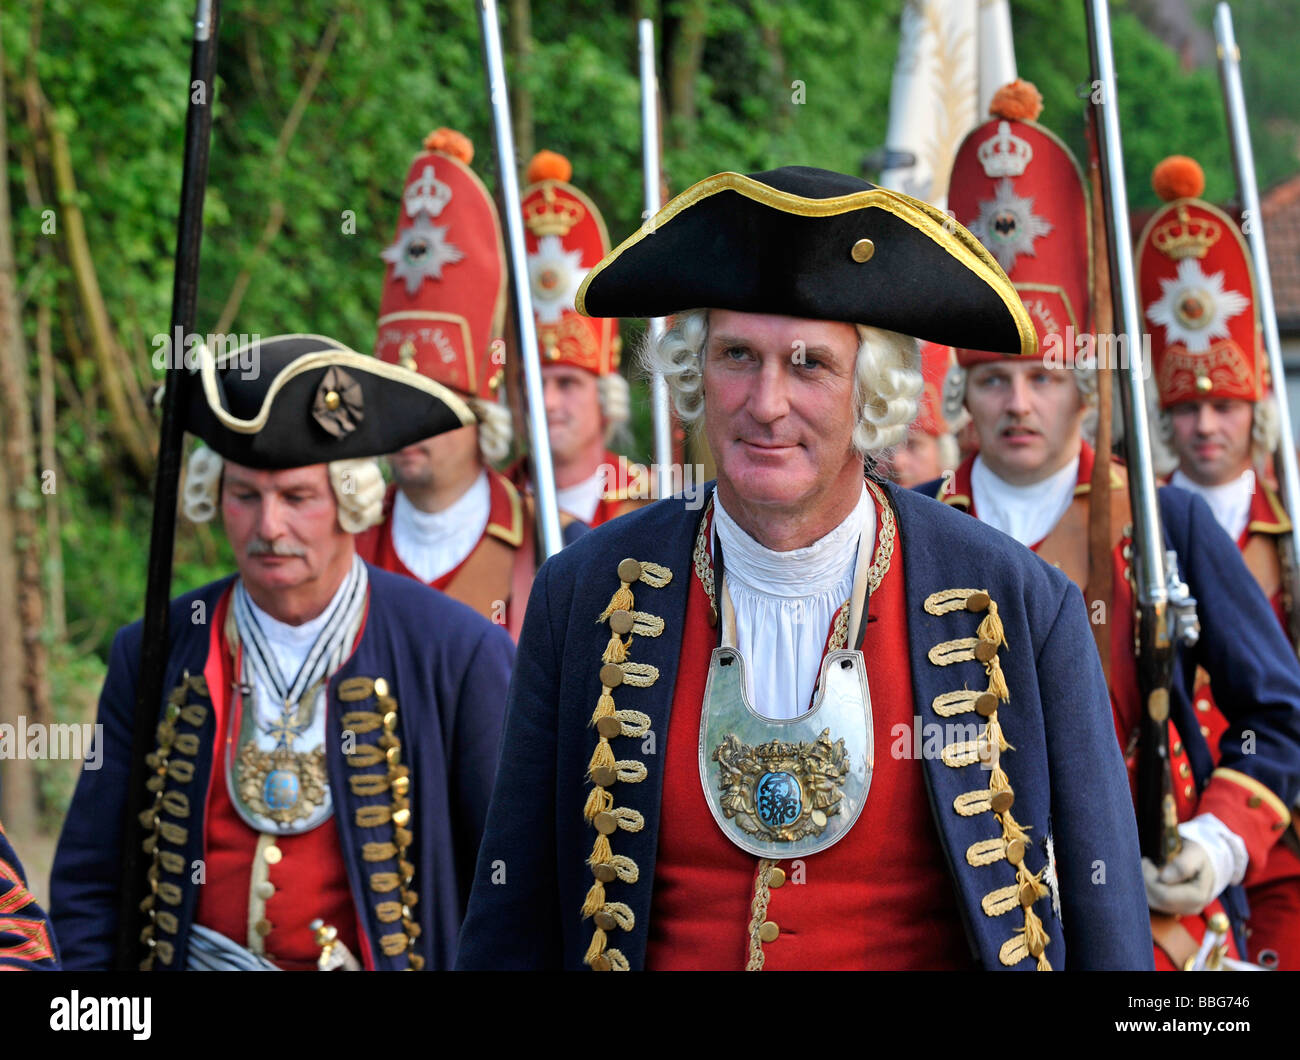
810,243
294,400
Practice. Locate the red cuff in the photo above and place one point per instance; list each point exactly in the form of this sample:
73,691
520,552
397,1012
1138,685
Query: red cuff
1250,809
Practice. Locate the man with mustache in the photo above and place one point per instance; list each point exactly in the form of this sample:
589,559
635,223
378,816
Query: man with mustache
1033,479
1198,295
824,722
451,520
325,751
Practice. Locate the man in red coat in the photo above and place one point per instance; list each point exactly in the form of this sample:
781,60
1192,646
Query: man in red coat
586,395
1198,296
451,520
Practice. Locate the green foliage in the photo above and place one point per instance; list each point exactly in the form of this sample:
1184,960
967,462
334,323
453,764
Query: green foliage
118,77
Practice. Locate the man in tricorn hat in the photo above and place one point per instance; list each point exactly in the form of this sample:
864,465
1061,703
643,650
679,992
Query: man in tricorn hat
1198,296
1024,196
327,746
451,520
700,770
586,395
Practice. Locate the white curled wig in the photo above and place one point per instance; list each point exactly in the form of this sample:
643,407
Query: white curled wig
615,403
495,431
1263,430
887,371
358,487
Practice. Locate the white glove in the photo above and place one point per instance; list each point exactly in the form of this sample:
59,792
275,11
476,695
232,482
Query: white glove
1213,856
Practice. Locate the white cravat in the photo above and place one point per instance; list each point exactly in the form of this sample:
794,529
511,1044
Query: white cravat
432,543
583,498
1229,502
784,603
290,645
1026,513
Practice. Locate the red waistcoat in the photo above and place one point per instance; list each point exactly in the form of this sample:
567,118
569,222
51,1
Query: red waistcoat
879,898
310,879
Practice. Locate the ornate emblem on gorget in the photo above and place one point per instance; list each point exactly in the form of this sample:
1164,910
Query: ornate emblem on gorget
786,787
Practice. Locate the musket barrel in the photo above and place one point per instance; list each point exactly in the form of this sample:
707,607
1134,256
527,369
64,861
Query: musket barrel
652,178
1243,161
156,635
539,442
1150,573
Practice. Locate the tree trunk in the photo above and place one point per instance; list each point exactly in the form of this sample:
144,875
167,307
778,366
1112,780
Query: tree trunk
684,57
21,647
519,27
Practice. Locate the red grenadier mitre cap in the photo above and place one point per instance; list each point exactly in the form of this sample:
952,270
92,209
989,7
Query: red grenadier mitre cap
1198,294
444,296
1021,192
564,237
935,361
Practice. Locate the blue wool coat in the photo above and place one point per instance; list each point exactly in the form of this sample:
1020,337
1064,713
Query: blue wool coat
447,667
1068,776
1254,673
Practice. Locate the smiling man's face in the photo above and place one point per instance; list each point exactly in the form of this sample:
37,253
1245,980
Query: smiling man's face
1029,418
778,412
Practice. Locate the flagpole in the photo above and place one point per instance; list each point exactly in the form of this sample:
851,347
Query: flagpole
1243,161
539,441
652,179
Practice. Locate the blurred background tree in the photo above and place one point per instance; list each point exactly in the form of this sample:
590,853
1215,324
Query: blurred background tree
319,106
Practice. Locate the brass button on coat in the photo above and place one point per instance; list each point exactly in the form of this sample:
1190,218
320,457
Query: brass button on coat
604,872
776,878
985,650
1016,851
272,854
621,622
986,704
977,602
381,687
1254,801
1184,770
1003,800
263,927
862,250
769,931
611,675
629,570
609,726
605,921
605,823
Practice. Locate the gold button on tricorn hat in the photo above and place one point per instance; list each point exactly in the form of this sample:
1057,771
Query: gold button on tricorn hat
862,250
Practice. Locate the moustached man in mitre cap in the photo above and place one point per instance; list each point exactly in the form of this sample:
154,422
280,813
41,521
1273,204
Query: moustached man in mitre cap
692,727
328,741
1035,479
451,520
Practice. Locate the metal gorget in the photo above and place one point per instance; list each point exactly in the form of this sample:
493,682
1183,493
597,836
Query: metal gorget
782,788
790,787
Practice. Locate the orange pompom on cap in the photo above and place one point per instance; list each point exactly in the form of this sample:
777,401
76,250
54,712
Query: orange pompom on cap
549,165
1017,101
450,142
1178,177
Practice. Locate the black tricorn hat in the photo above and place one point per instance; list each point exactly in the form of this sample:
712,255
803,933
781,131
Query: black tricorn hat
294,400
807,242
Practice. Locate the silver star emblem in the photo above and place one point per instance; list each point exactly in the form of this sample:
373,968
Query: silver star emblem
1007,225
420,252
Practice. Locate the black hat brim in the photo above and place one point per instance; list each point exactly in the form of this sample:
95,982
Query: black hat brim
279,417
783,242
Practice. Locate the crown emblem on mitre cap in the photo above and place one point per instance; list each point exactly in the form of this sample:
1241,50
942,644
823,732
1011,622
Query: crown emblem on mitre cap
1006,154
1182,236
550,214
